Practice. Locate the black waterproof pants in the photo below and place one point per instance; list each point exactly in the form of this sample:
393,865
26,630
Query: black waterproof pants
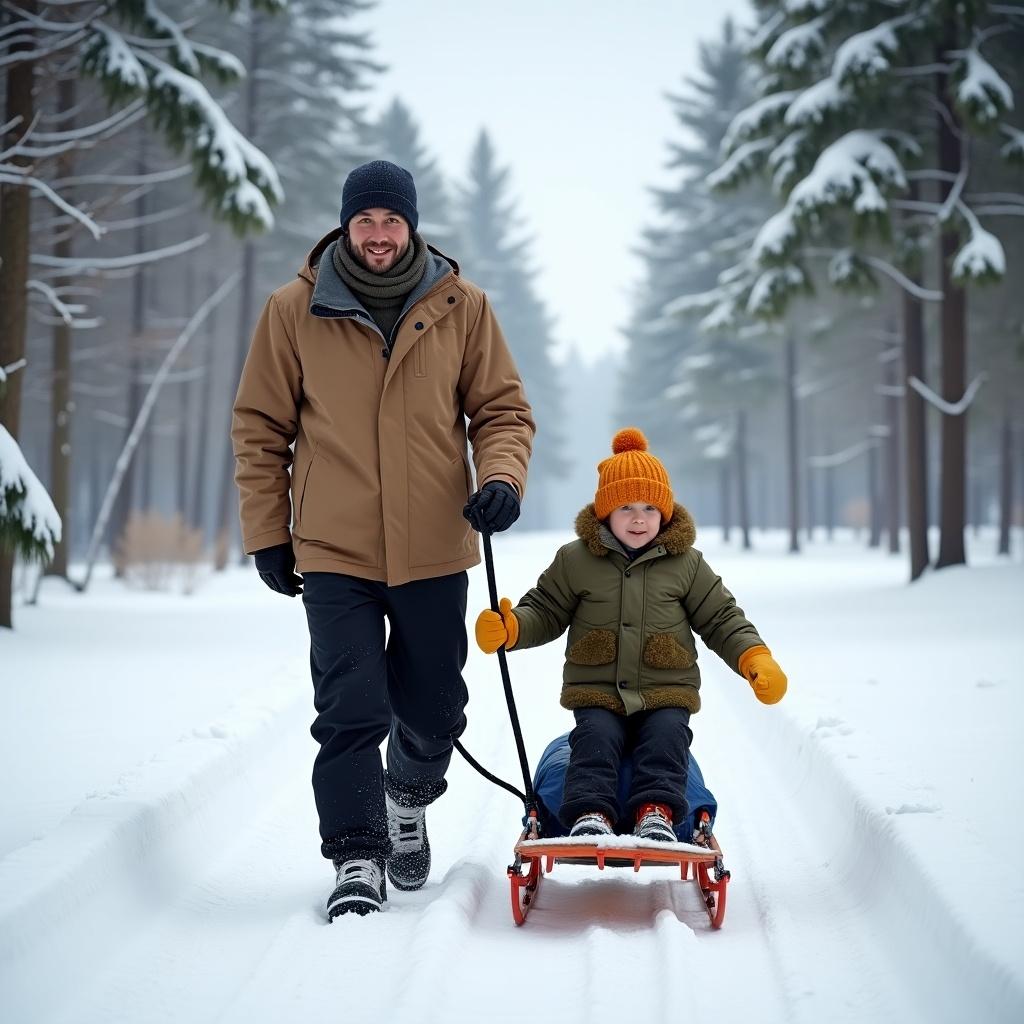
660,744
409,690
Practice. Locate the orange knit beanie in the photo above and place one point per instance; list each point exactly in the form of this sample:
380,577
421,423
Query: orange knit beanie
632,474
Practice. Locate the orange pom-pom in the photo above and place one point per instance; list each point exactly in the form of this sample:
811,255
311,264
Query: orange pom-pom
629,440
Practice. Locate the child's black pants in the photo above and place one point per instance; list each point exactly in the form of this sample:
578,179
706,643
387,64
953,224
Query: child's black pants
660,744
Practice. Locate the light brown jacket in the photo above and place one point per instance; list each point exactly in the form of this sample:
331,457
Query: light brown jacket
380,472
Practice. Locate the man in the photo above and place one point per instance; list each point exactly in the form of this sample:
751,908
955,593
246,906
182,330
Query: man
371,362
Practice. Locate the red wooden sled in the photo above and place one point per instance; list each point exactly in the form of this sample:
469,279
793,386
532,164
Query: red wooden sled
535,856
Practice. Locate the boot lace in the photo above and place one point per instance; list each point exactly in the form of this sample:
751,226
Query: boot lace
365,871
406,827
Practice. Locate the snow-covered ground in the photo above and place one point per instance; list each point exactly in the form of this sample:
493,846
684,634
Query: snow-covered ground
159,856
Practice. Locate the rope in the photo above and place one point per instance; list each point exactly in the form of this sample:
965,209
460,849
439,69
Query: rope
529,797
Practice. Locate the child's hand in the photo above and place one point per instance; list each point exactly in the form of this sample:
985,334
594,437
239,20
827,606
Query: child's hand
493,630
766,679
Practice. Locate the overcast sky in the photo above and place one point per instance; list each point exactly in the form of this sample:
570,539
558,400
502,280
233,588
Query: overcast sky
573,94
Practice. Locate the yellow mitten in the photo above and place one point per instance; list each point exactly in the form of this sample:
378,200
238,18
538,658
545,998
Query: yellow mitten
493,630
767,680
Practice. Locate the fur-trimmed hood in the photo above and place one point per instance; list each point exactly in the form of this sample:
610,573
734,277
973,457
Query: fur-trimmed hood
676,537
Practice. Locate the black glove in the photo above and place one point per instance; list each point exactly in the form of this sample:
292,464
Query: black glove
495,507
276,567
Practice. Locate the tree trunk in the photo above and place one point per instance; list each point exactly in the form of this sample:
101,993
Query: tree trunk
915,437
811,490
227,517
742,489
953,329
1005,482
830,491
199,513
14,242
892,459
725,496
874,500
792,447
60,402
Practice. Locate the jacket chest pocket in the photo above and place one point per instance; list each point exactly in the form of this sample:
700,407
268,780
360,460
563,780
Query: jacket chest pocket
436,344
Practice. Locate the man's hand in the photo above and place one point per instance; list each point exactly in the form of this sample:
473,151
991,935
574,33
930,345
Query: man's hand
766,678
276,567
495,507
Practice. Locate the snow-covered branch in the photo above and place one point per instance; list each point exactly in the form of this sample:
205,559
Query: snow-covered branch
45,190
66,312
89,264
20,56
87,131
953,196
152,178
924,294
957,408
27,514
842,457
981,92
6,371
982,258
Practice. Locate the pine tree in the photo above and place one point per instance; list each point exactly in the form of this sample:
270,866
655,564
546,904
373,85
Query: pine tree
866,110
500,264
685,385
138,54
395,136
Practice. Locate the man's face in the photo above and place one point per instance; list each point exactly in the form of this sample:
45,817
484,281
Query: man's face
378,238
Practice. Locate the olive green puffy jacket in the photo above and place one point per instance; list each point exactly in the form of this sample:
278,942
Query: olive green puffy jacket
631,623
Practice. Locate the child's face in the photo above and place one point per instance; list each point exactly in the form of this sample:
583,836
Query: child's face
635,525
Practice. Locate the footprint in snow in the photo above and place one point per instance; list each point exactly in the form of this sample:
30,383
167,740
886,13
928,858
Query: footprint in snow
914,809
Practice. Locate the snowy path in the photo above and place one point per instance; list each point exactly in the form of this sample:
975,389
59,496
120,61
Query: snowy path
244,940
187,885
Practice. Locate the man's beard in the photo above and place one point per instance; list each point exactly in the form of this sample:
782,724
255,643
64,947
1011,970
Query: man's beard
363,261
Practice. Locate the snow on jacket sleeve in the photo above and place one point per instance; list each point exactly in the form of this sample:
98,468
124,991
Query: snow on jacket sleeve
544,613
501,426
714,614
263,427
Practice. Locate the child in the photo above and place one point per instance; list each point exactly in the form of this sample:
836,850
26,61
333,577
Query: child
631,591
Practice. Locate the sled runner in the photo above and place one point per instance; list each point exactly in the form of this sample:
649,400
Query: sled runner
703,857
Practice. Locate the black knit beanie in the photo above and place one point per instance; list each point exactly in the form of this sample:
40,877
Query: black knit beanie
379,183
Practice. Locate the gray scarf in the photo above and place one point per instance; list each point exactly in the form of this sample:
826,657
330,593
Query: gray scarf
384,294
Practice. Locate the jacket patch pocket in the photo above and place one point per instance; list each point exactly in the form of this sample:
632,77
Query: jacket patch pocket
663,650
594,648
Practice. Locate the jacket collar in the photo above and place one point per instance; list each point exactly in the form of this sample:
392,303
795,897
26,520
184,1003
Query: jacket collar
677,536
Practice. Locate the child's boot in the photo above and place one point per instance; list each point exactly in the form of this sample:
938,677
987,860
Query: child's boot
654,821
592,824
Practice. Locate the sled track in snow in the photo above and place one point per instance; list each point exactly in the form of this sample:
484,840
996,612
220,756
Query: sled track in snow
935,949
840,875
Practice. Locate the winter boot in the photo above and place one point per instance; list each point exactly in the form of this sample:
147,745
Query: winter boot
654,821
409,863
592,824
359,888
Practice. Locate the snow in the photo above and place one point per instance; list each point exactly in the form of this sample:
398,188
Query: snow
118,60
982,257
225,148
160,855
797,46
845,171
866,54
35,513
755,117
814,103
1015,147
981,90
